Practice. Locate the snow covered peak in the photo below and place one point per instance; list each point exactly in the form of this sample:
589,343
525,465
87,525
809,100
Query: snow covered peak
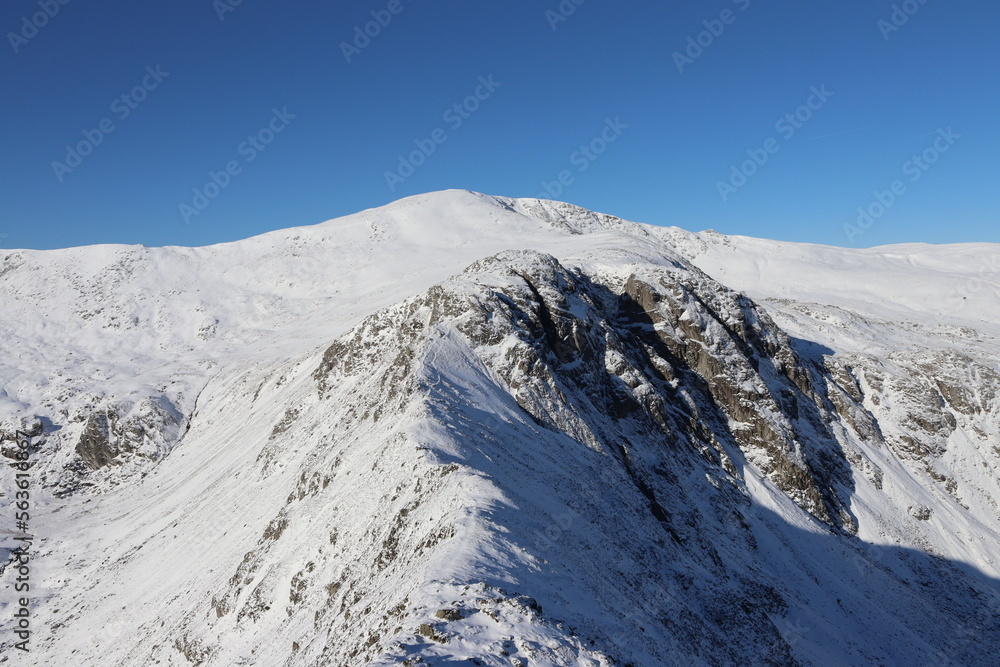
463,429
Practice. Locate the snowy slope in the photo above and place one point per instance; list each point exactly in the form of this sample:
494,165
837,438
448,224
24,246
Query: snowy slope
88,329
470,430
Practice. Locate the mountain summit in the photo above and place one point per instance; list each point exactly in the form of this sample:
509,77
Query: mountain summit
471,430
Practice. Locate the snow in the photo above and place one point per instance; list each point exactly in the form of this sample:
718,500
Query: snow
419,483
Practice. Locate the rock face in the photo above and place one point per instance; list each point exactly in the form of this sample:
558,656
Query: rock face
588,454
122,440
113,444
664,387
95,442
670,353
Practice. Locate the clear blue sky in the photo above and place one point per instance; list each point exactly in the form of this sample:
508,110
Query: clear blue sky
559,89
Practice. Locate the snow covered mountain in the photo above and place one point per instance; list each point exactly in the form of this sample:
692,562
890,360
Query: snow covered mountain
470,430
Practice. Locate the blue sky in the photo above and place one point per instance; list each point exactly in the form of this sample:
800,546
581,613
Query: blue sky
893,111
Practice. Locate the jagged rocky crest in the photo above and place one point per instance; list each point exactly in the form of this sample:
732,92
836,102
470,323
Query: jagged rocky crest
672,383
668,355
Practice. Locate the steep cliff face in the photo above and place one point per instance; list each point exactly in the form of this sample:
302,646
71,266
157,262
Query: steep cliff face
911,332
662,351
583,452
664,389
